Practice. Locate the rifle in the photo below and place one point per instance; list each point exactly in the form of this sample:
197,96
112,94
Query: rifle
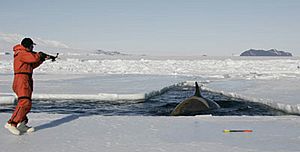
53,58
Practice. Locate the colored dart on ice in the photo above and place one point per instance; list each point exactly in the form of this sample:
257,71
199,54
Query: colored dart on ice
228,131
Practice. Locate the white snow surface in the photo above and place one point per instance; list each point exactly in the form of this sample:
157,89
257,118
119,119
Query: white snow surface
282,94
218,67
146,134
117,88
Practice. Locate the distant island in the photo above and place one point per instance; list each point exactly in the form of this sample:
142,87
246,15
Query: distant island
271,52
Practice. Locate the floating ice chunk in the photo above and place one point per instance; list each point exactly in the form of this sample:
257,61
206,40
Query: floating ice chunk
7,99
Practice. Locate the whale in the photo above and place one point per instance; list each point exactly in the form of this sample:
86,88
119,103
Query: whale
194,105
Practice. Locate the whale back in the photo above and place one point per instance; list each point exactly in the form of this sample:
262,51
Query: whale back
190,106
194,104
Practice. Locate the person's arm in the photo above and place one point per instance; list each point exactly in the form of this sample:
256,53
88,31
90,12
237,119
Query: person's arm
29,57
34,58
43,57
37,64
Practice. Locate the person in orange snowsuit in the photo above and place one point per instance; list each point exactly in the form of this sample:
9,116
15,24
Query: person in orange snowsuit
25,60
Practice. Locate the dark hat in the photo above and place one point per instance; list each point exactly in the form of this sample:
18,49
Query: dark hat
27,42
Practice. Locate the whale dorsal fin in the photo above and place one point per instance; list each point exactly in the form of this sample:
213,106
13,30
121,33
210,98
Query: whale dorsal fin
197,92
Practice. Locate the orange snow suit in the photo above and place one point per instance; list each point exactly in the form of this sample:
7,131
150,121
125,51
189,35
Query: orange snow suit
24,63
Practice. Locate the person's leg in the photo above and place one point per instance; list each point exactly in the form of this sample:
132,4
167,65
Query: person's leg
22,109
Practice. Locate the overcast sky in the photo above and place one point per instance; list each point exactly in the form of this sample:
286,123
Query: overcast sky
158,27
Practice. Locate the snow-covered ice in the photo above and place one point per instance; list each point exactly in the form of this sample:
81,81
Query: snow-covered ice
120,88
137,133
206,67
282,94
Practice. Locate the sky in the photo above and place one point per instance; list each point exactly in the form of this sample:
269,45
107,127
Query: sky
156,27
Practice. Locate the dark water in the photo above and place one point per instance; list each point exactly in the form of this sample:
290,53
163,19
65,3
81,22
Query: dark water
157,106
